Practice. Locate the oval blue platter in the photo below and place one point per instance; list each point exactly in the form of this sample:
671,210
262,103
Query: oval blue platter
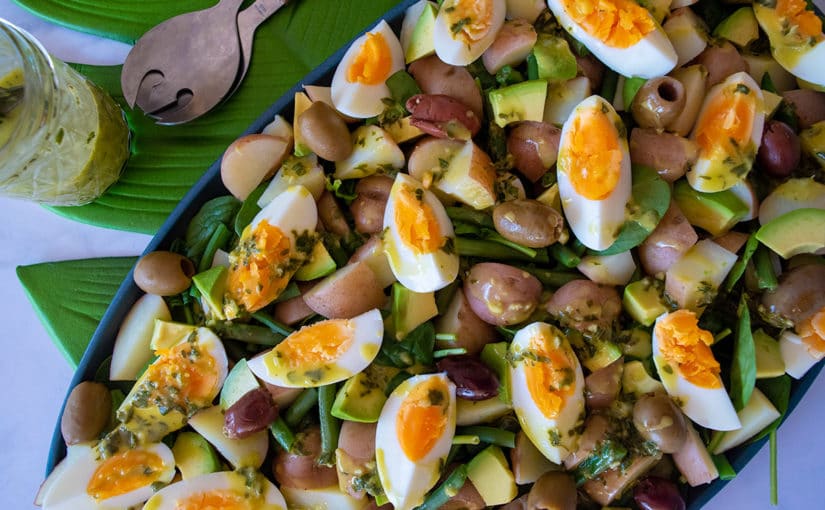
210,186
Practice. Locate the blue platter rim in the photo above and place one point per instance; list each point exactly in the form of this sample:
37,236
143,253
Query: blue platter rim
210,186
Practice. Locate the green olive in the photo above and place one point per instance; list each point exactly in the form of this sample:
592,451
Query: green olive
86,413
555,490
325,132
658,420
164,273
658,102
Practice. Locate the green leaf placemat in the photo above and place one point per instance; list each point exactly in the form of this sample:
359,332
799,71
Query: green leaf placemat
71,297
167,160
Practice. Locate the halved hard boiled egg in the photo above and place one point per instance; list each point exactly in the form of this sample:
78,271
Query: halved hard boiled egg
185,378
690,372
123,480
621,33
797,40
547,388
225,490
413,437
272,247
803,350
728,132
594,172
464,29
359,82
322,353
419,237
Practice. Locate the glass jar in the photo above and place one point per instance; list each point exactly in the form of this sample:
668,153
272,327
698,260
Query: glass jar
66,141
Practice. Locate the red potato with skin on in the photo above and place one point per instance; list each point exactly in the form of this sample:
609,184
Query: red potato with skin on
250,160
460,320
371,201
610,484
513,42
602,386
501,295
721,61
331,216
809,105
596,428
443,116
349,291
356,449
535,147
436,77
669,154
673,236
299,468
585,305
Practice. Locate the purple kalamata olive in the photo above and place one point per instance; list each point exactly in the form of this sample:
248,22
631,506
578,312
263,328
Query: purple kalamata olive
251,413
654,493
780,150
473,379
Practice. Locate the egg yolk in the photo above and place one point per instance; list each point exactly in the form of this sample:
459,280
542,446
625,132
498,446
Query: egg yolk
469,20
684,345
422,418
727,121
372,63
795,12
316,345
550,376
812,332
592,159
216,500
616,23
125,472
260,266
416,222
183,376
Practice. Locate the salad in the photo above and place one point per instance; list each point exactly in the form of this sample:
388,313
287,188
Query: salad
516,255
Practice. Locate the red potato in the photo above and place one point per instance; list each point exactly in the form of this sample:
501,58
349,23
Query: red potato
535,147
595,429
349,291
513,42
732,240
592,68
467,498
527,461
693,459
299,468
721,61
670,155
331,216
356,449
673,236
368,207
809,105
610,484
602,386
501,295
520,503
291,311
250,160
460,320
281,396
443,116
436,77
585,305
800,293
555,490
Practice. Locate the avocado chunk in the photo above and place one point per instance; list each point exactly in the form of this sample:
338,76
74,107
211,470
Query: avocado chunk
757,414
639,345
813,142
551,59
715,212
320,264
411,309
475,412
359,399
643,301
212,286
636,380
492,477
194,456
238,383
302,104
740,28
769,362
799,231
604,352
421,41
522,101
168,333
495,356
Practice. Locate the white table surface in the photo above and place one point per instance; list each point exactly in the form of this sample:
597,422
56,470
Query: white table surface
35,376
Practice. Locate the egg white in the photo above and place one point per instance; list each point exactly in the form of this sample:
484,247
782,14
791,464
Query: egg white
424,272
294,212
405,481
712,172
652,56
709,407
360,100
168,497
68,491
797,355
456,51
534,423
804,63
367,334
595,223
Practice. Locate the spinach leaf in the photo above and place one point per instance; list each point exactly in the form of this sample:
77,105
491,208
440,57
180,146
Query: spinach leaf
248,209
651,198
743,365
416,348
738,268
203,224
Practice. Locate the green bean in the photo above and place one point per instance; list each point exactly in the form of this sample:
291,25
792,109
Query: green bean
550,277
470,216
765,276
272,323
219,237
446,490
491,250
738,268
497,238
330,426
465,439
283,434
490,435
564,255
443,353
248,333
301,406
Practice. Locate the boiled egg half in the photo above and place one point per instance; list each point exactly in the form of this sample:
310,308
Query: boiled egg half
621,33
322,353
728,132
272,247
226,490
547,388
690,372
419,237
593,170
796,37
803,350
413,437
359,82
464,29
123,480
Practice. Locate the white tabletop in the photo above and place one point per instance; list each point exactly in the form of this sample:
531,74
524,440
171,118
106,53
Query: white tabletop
35,376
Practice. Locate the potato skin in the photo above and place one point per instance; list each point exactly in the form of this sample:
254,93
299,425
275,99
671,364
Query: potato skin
670,155
368,207
585,305
800,293
528,222
501,295
535,147
350,291
672,237
299,468
436,77
721,61
470,331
